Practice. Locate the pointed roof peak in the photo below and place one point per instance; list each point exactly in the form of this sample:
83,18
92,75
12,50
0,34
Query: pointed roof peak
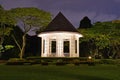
60,13
60,23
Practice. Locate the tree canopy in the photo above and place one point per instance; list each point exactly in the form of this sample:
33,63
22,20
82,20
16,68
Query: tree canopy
6,19
85,23
101,36
6,25
29,18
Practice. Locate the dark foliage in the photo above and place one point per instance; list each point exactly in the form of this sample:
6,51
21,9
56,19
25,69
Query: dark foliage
17,33
85,23
33,46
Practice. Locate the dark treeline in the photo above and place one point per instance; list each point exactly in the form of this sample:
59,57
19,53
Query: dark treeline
33,46
101,40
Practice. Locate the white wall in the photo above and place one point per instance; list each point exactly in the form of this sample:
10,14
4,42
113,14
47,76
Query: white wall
60,37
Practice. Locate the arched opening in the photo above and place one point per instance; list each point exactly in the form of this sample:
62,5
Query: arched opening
66,48
53,47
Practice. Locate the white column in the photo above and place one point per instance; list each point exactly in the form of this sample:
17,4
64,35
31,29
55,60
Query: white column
42,48
57,54
78,47
70,47
45,47
60,47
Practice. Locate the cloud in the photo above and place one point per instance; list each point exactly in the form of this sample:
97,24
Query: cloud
106,6
8,4
117,0
75,17
74,10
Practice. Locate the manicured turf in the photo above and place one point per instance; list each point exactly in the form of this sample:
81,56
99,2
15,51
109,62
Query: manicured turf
67,72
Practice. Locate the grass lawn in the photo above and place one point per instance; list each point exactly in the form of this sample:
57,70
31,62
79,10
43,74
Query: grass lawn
53,72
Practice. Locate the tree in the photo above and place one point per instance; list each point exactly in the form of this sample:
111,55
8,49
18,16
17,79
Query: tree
102,37
30,18
15,35
6,24
85,23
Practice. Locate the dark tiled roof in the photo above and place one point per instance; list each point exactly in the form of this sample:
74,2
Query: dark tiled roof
60,23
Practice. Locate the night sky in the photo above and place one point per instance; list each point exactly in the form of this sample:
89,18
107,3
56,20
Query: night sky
74,10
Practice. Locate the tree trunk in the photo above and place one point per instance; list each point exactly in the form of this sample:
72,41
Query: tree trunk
16,42
23,46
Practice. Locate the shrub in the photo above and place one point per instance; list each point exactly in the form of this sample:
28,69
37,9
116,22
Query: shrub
14,63
2,61
91,63
76,62
107,61
60,62
44,63
33,58
17,61
83,58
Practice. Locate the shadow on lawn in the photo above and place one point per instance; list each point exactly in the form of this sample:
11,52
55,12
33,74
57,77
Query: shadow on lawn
78,77
61,75
83,77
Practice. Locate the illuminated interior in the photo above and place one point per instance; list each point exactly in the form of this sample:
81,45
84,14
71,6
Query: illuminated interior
60,44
